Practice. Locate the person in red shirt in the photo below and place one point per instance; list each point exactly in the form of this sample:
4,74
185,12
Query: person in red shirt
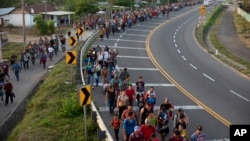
8,88
130,92
147,129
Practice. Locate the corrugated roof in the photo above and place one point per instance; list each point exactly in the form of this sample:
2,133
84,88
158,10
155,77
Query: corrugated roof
4,11
38,8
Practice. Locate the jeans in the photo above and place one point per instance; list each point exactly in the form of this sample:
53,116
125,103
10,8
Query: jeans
97,79
26,64
91,79
111,106
17,75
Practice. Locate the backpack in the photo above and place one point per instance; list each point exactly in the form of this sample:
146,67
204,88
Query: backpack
151,100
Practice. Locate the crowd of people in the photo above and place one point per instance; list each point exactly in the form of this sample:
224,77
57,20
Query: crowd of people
121,96
34,52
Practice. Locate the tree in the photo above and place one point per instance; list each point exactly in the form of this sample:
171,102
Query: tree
86,7
126,3
40,25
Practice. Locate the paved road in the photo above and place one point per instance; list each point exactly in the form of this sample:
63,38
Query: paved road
229,38
28,80
133,55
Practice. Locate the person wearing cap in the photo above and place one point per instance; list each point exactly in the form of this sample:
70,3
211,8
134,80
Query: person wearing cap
144,112
198,135
147,129
136,135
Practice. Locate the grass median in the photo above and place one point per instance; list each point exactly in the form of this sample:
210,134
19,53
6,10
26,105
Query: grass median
53,113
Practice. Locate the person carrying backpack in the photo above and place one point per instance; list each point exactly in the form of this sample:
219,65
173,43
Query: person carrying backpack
198,135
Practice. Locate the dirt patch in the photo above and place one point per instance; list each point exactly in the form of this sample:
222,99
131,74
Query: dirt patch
245,38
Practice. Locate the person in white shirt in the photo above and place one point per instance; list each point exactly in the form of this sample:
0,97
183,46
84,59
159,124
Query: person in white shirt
51,52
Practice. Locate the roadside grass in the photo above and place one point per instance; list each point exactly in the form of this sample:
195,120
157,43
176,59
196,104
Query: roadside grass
54,112
227,57
10,49
242,28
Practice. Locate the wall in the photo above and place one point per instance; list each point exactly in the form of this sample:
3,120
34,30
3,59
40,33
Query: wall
243,14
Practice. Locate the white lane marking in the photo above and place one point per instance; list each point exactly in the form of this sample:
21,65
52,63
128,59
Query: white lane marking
175,45
208,77
140,30
127,40
174,40
121,35
177,30
117,68
151,23
138,48
147,26
156,108
135,35
193,66
148,69
233,92
115,45
133,57
184,58
178,51
174,36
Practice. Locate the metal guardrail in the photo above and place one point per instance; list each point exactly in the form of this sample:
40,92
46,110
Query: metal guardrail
100,121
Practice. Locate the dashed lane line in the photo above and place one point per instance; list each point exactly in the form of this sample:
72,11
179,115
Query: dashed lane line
233,92
210,78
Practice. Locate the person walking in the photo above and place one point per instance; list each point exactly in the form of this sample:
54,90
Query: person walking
43,59
147,129
122,102
8,88
198,135
115,123
128,126
110,99
16,69
5,68
136,135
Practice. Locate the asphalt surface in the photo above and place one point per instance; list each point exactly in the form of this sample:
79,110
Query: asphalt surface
28,80
229,38
133,55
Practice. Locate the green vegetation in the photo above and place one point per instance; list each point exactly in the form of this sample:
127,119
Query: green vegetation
212,23
53,113
43,27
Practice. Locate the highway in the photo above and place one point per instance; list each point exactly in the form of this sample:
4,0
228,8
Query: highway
180,70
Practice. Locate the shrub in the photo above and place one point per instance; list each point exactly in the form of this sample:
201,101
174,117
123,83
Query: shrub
71,107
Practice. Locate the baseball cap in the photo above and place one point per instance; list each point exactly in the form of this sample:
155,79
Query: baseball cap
136,128
199,127
180,110
147,121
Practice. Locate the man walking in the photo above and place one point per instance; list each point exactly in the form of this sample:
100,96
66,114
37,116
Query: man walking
8,88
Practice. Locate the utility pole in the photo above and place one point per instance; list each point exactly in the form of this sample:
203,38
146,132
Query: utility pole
24,31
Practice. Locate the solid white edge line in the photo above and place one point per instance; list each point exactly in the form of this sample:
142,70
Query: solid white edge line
193,66
208,77
233,92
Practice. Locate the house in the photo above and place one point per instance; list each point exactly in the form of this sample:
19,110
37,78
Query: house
14,16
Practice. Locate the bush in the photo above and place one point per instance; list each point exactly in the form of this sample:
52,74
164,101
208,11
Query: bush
51,27
71,107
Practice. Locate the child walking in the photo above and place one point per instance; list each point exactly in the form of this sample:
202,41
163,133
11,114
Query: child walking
115,123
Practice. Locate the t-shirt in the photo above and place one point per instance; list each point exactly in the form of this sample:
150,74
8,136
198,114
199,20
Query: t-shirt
140,86
130,93
196,137
129,125
147,130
